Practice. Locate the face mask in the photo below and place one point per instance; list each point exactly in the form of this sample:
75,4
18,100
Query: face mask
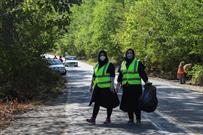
129,56
102,58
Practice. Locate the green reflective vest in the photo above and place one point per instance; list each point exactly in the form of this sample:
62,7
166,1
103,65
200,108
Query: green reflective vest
103,79
130,75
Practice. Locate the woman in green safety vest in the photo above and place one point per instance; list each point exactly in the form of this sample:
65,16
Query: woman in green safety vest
102,88
131,72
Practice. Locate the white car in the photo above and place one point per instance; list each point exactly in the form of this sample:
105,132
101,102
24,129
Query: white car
57,65
71,61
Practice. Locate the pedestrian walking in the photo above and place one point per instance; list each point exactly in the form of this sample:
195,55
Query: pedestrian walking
131,72
55,57
102,88
61,59
181,72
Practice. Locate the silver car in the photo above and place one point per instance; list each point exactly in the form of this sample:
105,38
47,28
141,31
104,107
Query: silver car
57,65
71,61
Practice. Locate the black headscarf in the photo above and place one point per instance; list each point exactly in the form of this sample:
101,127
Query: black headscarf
101,63
128,61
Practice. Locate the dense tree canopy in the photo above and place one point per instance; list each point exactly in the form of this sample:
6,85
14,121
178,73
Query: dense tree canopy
163,33
29,28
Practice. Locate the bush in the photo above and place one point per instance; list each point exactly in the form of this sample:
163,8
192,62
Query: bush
197,75
30,80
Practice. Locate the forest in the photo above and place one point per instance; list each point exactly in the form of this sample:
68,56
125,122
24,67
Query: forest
162,33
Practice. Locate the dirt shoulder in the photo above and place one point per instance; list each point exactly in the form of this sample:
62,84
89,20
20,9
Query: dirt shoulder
9,109
176,83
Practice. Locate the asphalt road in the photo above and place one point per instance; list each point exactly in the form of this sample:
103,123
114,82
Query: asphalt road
180,111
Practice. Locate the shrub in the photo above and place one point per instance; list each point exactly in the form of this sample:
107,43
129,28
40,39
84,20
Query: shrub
197,75
30,80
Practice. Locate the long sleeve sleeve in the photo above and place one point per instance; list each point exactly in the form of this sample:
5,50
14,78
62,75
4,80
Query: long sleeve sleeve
111,70
141,71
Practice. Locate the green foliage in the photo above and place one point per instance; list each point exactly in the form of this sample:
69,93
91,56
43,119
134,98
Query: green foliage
162,30
30,28
94,26
30,80
197,75
162,33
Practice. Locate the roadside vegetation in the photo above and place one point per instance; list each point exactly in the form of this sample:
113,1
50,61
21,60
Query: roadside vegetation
163,33
29,29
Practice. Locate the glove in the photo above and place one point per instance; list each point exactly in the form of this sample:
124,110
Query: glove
148,83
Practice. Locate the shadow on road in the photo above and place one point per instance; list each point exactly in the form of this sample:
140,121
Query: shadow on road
184,105
69,111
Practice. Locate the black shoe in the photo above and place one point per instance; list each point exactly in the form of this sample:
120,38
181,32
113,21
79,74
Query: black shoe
131,122
107,121
91,121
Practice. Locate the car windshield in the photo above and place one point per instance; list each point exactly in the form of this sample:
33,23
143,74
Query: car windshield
71,58
54,62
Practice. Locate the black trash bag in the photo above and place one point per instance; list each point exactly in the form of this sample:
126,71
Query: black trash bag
148,100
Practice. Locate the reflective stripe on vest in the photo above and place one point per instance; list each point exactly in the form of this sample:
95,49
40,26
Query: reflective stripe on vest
130,75
103,79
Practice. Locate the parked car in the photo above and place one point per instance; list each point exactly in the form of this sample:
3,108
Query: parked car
71,61
57,65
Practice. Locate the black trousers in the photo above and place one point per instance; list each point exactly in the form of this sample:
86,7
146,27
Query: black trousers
137,113
96,111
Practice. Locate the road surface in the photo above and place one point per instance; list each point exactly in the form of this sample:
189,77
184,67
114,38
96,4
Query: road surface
180,111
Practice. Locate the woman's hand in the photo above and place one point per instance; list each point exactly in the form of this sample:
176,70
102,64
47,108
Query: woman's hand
118,86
